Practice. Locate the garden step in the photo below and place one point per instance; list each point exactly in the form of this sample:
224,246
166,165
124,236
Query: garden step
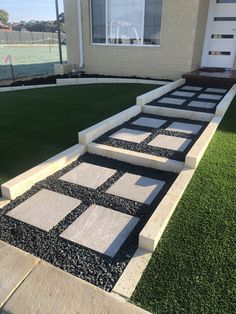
191,98
87,217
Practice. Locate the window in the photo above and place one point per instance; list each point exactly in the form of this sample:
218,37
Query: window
226,1
126,22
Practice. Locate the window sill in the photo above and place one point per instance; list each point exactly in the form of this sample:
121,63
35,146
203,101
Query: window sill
125,45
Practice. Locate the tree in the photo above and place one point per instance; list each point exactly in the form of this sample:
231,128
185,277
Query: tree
4,16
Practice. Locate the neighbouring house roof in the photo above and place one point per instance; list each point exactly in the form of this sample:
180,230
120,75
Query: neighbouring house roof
4,26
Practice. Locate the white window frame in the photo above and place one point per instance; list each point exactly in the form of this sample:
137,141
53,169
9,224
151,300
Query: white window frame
118,45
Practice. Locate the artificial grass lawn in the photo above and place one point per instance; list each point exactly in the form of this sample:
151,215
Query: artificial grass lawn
193,269
37,124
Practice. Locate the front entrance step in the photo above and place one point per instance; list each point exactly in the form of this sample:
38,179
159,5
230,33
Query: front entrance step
218,79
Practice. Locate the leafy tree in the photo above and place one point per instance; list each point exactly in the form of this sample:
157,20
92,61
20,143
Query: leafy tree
4,16
40,26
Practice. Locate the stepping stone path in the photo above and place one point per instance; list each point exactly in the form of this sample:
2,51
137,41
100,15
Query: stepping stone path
45,209
136,188
129,135
192,98
101,229
184,127
149,122
88,175
155,135
86,218
170,142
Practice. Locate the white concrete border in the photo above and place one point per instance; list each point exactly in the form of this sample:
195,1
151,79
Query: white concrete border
107,80
195,154
88,135
135,158
225,102
153,230
158,92
26,180
4,201
18,88
178,113
128,281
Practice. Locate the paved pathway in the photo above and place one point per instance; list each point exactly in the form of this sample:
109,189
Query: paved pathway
194,98
95,207
28,286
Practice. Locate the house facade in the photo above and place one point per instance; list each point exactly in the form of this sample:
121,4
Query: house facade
150,38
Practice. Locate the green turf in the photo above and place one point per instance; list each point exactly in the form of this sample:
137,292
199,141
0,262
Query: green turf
193,269
37,124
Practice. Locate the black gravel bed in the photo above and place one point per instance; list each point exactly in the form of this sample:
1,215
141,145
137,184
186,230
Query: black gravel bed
51,79
143,147
185,106
87,264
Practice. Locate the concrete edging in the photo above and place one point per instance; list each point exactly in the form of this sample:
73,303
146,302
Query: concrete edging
26,180
88,135
81,81
178,113
17,88
4,201
135,158
196,153
128,281
225,102
153,230
158,92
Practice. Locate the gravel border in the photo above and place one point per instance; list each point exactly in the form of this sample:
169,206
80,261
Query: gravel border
185,106
96,268
143,147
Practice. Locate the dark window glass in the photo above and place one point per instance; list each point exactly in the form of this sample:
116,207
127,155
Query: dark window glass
99,21
219,53
222,36
152,22
223,19
226,1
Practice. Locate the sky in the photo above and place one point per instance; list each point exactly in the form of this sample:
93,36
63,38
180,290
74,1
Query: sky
26,10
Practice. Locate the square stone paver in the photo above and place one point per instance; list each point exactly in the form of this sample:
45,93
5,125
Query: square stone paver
149,122
184,127
136,188
170,142
130,135
183,94
89,175
45,209
202,104
216,90
101,229
210,96
195,88
172,101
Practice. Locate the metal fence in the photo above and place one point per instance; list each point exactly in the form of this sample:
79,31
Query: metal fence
15,37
